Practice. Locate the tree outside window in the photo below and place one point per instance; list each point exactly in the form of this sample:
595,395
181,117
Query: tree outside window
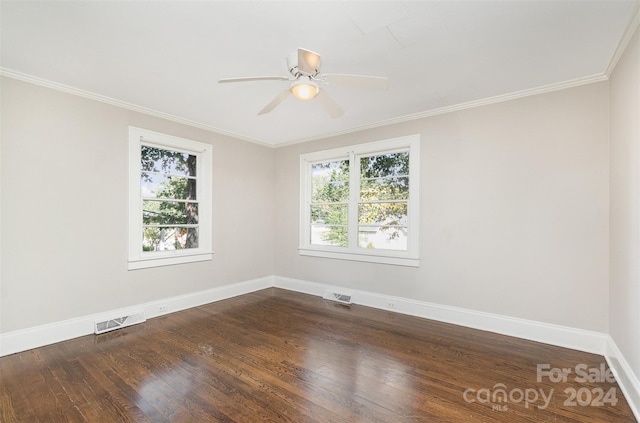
361,202
169,206
170,200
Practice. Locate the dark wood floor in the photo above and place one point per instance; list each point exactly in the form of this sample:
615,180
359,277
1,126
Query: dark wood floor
279,356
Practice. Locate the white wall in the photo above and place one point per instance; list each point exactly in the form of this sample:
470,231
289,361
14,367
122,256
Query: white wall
64,210
625,206
514,211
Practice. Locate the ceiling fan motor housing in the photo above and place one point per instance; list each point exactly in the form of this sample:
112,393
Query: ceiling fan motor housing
294,68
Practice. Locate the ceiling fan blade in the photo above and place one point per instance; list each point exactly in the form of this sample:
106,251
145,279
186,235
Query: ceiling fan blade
332,108
308,61
275,102
254,78
362,81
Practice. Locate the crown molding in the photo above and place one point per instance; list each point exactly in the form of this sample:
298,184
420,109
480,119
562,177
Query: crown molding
421,115
9,73
462,106
633,24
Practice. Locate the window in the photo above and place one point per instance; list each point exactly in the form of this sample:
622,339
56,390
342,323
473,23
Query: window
170,200
361,202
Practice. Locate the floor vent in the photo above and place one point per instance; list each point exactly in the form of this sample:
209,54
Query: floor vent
119,322
341,297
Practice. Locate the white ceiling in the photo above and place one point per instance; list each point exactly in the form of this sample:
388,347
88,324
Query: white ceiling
167,56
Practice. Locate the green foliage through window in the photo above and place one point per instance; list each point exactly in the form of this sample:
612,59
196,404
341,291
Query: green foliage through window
329,197
382,202
170,208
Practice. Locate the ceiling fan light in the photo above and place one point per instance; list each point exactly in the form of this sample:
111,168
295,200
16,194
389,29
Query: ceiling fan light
304,90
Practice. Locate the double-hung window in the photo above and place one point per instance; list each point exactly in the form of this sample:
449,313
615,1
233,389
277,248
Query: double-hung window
169,199
361,202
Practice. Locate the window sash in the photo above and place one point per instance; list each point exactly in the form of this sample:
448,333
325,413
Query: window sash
353,251
203,152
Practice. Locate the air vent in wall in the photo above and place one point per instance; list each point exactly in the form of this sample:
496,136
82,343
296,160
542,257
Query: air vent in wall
119,322
341,297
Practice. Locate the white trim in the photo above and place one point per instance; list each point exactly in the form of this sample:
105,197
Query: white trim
457,107
9,73
370,258
138,259
634,22
408,257
562,336
583,340
626,378
38,336
433,112
145,263
622,370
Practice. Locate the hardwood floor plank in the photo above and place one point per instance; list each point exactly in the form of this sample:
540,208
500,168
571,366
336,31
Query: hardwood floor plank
261,376
281,356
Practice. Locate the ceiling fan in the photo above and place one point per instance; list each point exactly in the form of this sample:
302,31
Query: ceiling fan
304,65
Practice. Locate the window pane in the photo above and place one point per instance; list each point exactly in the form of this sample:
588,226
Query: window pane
161,186
331,214
391,164
383,214
156,212
329,235
172,238
382,238
393,188
330,182
167,161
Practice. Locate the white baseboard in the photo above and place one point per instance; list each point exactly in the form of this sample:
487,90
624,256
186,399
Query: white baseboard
578,339
26,339
594,342
626,378
562,336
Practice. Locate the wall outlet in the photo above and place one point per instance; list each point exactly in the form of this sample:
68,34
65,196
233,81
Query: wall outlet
391,305
163,308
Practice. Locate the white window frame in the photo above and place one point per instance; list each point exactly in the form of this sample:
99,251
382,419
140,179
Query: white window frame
139,259
410,257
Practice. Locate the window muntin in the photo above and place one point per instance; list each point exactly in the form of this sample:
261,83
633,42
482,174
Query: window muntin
329,203
383,202
170,200
360,202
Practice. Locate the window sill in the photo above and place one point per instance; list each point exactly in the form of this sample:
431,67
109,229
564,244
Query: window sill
396,261
145,263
